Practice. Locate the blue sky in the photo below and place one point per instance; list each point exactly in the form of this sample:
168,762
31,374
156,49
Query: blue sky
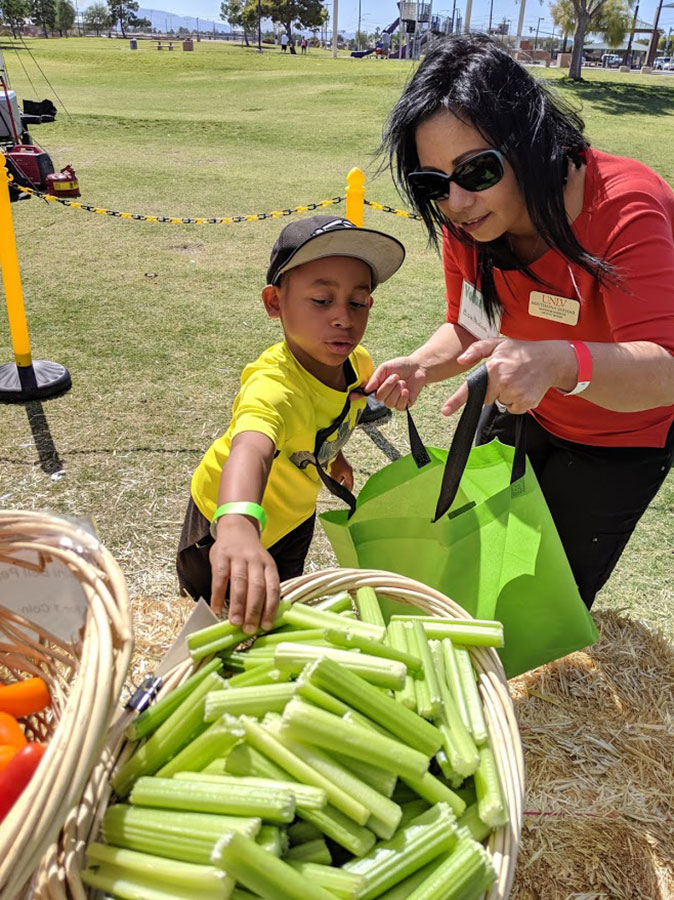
383,12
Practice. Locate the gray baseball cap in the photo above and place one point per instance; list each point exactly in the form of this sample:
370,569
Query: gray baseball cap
317,237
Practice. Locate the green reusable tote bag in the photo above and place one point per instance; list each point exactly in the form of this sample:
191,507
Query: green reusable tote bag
491,545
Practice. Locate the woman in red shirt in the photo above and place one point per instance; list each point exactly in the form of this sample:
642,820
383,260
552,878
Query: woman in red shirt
559,267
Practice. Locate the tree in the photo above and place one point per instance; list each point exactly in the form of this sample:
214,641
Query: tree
43,14
96,18
124,12
609,17
241,14
361,40
65,16
13,12
303,14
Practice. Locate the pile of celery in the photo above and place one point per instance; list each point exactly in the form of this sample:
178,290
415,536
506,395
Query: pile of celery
344,759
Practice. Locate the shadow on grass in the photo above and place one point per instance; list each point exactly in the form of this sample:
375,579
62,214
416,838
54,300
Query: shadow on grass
615,98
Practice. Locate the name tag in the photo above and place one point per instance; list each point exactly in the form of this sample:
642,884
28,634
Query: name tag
554,308
473,315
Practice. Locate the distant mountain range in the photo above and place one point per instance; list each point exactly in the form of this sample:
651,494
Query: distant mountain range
165,21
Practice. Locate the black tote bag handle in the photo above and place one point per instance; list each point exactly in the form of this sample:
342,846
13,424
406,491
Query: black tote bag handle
462,442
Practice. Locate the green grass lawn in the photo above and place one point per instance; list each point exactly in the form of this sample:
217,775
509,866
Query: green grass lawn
155,322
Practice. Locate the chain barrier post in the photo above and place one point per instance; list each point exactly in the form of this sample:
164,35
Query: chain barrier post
355,196
24,379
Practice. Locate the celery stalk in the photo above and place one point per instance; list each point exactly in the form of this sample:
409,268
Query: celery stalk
340,828
263,873
478,727
265,673
216,741
291,634
490,803
309,617
269,745
183,725
337,603
308,691
130,886
396,637
464,874
152,717
305,794
373,648
431,699
357,693
382,781
402,890
224,631
199,796
315,851
273,839
301,832
384,813
245,761
433,790
472,632
411,809
253,701
309,724
471,825
386,673
429,835
458,744
157,869
452,675
368,606
185,836
344,885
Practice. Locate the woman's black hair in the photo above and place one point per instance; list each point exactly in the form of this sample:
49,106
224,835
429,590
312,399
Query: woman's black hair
477,80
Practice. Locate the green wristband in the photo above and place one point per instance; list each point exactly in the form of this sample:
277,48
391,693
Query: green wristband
241,508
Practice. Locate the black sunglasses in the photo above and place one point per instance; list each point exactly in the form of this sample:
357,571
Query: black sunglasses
477,173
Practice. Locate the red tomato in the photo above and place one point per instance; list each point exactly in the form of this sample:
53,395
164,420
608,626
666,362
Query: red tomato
10,731
17,774
7,753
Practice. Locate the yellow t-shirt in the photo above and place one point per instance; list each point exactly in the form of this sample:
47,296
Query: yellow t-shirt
279,398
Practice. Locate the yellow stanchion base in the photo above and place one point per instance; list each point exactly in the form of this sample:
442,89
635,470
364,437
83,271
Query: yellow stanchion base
37,381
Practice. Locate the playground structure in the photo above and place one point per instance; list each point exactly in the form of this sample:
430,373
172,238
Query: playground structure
416,25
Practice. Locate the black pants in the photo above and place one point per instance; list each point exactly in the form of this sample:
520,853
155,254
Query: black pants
596,495
193,562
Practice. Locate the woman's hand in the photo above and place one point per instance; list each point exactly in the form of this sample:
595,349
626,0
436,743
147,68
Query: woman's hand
239,560
397,382
520,372
341,471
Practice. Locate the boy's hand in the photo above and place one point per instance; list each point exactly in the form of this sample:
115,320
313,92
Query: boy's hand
239,560
397,383
341,471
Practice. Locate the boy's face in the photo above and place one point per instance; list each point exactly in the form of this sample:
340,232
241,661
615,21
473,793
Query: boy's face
324,307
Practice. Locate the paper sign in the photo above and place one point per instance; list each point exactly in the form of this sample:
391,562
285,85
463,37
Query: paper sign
44,591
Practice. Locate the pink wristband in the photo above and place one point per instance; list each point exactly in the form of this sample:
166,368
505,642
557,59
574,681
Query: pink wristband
584,359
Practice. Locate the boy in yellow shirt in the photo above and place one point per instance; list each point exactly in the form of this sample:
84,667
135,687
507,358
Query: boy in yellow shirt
251,514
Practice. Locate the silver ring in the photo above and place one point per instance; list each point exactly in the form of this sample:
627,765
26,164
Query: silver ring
501,407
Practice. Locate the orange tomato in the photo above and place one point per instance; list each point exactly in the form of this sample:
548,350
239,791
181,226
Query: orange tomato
10,732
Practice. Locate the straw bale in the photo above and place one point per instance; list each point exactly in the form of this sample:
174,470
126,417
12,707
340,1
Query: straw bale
598,735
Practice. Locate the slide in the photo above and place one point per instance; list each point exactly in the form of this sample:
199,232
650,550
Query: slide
359,54
392,27
397,53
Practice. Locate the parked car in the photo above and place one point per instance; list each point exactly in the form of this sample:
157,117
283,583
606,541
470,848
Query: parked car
662,62
611,61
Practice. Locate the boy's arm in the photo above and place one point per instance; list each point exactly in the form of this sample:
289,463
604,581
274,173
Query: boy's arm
341,471
237,556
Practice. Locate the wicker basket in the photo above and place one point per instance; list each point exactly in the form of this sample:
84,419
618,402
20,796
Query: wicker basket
499,714
84,678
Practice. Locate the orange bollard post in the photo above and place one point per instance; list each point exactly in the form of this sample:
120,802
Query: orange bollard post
355,196
24,379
